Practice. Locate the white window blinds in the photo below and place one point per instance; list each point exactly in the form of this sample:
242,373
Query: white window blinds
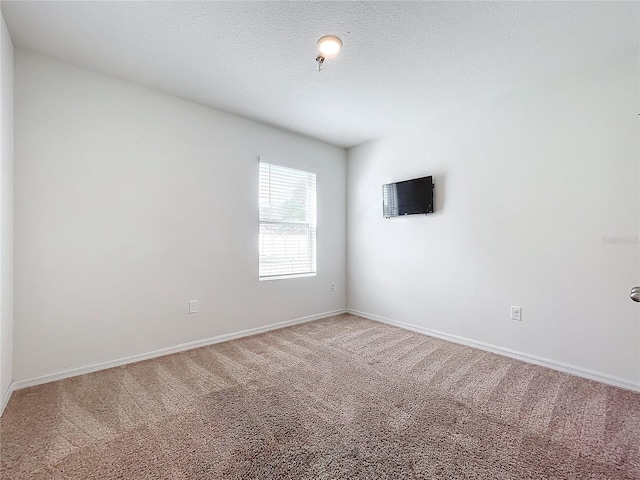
287,221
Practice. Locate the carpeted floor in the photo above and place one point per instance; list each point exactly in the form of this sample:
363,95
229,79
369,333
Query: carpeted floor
339,398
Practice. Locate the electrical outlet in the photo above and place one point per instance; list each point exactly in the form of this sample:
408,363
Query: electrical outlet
332,287
193,306
516,313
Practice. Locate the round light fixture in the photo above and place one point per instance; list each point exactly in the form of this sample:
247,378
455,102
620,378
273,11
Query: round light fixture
329,46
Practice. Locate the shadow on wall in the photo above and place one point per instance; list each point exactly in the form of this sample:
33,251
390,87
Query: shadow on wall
439,180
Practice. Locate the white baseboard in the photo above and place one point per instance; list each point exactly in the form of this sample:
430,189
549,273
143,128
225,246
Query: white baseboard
5,397
525,357
52,377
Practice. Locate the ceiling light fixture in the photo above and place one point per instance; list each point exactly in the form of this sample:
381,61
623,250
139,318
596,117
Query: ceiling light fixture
328,47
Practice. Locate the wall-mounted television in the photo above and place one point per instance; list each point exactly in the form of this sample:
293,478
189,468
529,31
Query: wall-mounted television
410,197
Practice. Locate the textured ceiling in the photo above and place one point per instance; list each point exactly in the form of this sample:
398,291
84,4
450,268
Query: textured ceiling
402,61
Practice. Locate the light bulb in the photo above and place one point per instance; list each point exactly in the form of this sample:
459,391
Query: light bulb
329,46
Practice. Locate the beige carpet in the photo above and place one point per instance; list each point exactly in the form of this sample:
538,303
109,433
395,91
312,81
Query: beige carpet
337,398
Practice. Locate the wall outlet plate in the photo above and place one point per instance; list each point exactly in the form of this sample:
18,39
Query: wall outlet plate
516,313
193,306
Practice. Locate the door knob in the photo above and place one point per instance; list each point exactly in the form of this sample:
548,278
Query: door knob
635,294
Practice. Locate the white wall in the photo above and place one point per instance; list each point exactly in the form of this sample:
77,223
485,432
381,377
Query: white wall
531,188
129,203
6,213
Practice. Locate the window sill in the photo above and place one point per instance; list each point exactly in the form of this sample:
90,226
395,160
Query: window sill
284,277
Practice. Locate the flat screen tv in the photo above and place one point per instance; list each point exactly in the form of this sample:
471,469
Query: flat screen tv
410,197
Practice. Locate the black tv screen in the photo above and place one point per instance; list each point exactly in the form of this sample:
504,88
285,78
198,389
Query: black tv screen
410,197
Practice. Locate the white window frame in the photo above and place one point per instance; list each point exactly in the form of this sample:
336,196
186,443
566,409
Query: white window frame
311,224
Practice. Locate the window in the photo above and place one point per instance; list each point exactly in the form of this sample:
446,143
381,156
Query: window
287,222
